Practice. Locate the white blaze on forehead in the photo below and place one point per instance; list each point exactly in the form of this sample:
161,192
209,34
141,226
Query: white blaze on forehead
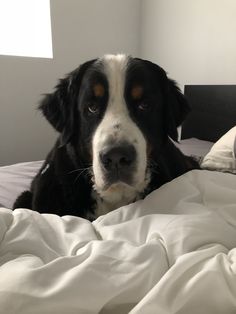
117,126
116,122
115,68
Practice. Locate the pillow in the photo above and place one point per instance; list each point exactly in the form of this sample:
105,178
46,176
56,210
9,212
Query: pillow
222,156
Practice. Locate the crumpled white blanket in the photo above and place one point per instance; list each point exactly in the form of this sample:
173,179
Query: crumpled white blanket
173,252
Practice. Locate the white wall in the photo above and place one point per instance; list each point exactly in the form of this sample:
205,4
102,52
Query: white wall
194,40
81,30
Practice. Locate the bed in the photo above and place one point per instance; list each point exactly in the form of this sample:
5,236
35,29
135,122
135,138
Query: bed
173,252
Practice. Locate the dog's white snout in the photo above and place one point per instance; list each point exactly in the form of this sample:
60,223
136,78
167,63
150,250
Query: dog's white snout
119,147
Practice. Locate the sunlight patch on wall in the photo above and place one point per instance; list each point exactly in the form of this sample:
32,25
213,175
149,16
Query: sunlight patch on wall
25,28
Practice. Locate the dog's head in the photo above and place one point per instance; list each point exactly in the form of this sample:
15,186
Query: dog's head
116,111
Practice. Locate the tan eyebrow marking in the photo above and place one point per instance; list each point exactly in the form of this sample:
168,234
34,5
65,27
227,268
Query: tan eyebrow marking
137,92
98,90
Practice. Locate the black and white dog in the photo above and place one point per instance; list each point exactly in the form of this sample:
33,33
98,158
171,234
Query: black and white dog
115,116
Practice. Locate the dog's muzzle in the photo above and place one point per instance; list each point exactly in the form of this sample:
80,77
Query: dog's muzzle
118,163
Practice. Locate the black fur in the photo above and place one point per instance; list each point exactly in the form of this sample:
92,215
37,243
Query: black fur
63,185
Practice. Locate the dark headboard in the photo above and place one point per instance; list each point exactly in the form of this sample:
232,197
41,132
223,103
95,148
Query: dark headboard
213,111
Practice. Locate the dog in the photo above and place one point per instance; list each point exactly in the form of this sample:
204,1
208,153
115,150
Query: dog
117,118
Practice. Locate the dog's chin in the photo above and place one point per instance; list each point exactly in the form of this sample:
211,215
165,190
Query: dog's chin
112,195
119,193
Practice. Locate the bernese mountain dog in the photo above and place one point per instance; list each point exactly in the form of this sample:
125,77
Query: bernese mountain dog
117,118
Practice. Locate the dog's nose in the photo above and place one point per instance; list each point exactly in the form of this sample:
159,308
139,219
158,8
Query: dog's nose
118,157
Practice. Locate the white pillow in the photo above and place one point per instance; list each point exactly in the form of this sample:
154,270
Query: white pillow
222,156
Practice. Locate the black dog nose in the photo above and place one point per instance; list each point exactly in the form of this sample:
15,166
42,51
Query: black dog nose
118,157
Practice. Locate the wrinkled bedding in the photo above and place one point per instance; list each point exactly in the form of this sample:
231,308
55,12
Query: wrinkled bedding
173,252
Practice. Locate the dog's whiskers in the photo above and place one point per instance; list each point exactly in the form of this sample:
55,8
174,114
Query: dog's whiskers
85,171
79,169
153,166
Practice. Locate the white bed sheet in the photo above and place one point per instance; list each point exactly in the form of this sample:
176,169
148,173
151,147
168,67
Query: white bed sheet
173,252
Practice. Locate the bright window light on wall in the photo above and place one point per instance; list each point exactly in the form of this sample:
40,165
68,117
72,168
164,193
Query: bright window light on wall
25,28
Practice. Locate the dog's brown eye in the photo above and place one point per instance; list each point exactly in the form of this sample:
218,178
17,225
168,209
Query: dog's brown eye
93,108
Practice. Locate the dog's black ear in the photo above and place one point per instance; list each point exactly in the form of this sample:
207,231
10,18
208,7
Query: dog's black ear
59,106
176,107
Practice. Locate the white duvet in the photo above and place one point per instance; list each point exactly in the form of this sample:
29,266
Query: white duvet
174,252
